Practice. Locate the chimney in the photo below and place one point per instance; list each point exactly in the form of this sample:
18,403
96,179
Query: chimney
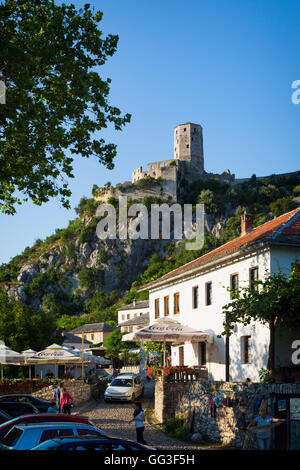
246,223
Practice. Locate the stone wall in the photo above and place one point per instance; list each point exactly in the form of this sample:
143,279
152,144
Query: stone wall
79,390
238,405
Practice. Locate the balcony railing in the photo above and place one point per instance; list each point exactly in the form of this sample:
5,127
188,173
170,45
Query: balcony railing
177,373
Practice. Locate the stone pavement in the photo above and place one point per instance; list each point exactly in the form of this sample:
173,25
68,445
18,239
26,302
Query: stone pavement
114,418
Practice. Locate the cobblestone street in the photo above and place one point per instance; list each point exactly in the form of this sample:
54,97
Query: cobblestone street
114,419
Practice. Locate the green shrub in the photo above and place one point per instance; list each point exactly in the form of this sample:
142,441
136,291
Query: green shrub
177,428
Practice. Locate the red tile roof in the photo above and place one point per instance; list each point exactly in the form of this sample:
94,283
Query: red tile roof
283,230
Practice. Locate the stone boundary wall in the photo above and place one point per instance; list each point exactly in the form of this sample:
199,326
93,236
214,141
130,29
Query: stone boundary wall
236,409
80,391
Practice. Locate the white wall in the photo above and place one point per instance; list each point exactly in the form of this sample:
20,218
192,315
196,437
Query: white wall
210,318
130,313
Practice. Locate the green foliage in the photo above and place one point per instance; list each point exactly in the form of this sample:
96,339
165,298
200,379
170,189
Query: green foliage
58,102
22,327
103,256
114,344
146,182
276,299
177,428
91,278
86,206
69,322
296,190
42,282
88,232
207,198
281,206
113,201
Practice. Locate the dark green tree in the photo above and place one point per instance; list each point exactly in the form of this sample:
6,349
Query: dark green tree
56,101
22,327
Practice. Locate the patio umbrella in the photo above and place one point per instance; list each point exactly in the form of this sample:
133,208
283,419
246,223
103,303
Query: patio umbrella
9,356
29,353
166,330
53,354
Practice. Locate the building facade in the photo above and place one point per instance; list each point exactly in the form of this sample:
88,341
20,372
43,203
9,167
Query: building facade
131,311
195,294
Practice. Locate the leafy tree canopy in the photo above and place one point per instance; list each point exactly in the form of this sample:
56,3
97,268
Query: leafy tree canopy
22,327
56,101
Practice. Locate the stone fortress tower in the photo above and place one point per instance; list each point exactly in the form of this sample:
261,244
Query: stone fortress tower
188,162
188,147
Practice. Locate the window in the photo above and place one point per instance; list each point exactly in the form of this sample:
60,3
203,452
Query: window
92,336
53,433
187,146
246,349
88,432
184,129
156,308
202,353
234,284
135,315
128,316
208,293
141,314
166,304
123,317
176,303
195,296
253,276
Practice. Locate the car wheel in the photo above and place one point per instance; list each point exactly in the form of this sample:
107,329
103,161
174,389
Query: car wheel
133,397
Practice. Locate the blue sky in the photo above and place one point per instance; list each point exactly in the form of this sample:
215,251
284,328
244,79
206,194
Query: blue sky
225,64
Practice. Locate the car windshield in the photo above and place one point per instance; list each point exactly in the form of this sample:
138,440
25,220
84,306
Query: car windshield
12,437
121,383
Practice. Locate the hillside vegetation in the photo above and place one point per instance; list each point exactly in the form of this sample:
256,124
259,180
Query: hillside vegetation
72,277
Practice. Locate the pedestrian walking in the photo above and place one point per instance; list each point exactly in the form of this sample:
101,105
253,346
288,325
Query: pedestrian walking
139,419
65,401
57,394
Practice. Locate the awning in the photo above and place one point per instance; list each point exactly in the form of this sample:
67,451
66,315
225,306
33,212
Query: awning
167,330
54,354
8,356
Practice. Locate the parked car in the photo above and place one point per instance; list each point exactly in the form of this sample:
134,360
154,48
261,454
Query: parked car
90,443
4,417
41,418
27,436
41,405
124,388
15,409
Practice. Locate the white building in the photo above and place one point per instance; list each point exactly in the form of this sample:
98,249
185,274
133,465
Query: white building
195,293
134,310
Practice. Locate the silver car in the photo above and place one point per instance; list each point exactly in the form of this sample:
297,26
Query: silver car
126,387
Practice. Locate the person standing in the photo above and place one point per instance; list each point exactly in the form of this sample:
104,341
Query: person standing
139,419
57,394
264,436
65,401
